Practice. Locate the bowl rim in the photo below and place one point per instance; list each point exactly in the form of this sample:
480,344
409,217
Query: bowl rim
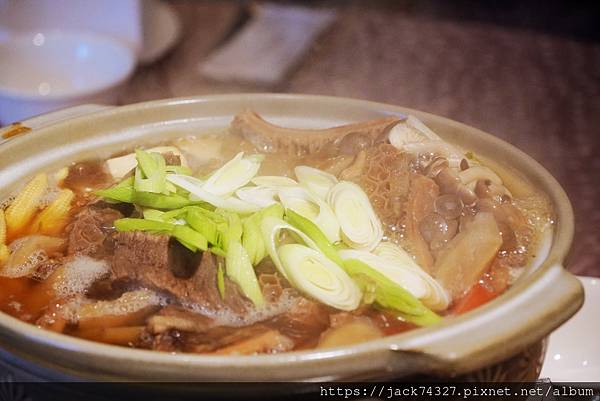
23,39
411,340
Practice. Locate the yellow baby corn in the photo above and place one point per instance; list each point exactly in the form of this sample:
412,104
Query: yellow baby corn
2,228
53,219
4,253
23,208
61,174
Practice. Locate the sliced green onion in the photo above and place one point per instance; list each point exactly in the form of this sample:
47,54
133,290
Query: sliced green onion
179,170
148,163
190,238
435,296
175,214
240,270
310,270
270,229
221,280
131,224
201,209
218,251
118,193
389,294
127,194
274,181
160,201
127,182
234,229
204,225
317,181
360,226
260,196
312,207
153,214
120,166
394,252
234,174
406,278
252,238
150,173
194,187
315,275
309,228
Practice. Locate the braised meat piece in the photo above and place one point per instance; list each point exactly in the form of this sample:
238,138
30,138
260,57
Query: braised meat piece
91,232
222,340
245,340
209,297
269,342
176,318
53,317
46,268
126,209
106,288
303,322
130,309
169,341
156,261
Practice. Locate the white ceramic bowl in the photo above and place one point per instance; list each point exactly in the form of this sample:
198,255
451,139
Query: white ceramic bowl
41,72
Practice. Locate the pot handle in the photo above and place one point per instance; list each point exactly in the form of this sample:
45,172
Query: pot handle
43,120
503,328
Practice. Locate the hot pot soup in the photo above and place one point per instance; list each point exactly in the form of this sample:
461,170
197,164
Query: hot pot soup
265,239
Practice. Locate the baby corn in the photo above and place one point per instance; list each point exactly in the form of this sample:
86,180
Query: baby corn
4,253
61,174
2,228
23,208
53,219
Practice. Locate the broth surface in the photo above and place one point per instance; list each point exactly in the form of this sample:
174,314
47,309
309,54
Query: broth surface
73,270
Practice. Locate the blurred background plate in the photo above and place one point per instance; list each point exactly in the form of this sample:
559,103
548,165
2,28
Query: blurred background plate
574,350
119,19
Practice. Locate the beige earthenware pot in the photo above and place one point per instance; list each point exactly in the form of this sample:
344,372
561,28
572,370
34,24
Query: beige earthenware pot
540,301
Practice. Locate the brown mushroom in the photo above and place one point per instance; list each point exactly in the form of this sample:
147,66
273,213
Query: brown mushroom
486,189
437,164
356,168
450,183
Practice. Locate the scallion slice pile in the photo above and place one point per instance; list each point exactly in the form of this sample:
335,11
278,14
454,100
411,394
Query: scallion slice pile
301,225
